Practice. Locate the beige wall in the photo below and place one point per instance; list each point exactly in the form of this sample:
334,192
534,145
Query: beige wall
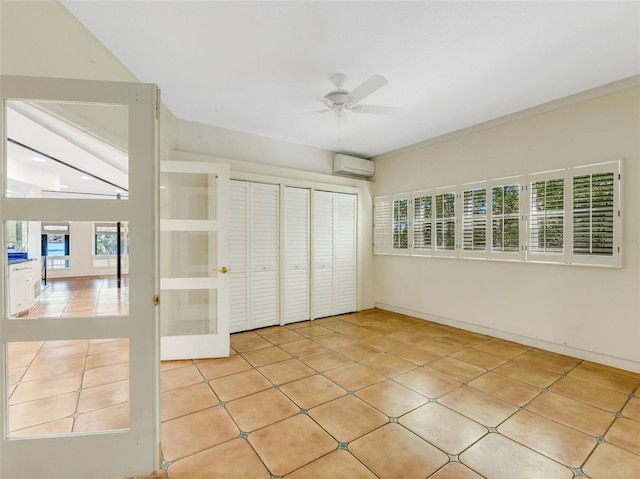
590,312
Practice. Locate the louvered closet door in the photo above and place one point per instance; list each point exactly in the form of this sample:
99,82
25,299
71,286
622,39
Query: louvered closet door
323,289
296,252
263,252
345,253
238,257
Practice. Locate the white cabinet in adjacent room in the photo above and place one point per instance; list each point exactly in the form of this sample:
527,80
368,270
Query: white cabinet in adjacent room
334,253
24,286
253,253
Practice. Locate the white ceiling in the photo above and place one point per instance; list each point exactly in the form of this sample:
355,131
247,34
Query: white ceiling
258,67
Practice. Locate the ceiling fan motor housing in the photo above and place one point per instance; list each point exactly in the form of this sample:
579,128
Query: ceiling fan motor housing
337,97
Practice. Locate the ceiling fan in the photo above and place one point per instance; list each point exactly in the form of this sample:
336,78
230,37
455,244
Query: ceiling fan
340,100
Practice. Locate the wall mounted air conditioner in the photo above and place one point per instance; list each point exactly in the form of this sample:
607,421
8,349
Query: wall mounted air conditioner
352,165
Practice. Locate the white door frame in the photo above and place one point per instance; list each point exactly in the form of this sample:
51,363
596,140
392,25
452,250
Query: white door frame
134,451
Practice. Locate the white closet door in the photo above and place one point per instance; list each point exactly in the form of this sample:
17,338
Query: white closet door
323,252
345,253
238,257
296,252
264,255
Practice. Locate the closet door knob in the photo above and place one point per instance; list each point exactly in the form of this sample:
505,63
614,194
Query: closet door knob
223,269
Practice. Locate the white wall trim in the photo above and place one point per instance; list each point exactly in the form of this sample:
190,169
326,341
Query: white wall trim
605,359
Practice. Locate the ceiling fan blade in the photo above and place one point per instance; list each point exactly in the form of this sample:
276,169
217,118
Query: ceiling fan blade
365,89
375,109
309,113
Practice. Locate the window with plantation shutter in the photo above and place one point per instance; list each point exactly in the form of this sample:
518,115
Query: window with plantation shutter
401,223
571,216
445,221
474,220
595,217
382,225
422,222
593,214
506,228
547,215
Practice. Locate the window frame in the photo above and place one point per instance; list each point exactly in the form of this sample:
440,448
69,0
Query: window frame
420,250
441,251
518,255
534,255
384,226
591,259
407,223
463,217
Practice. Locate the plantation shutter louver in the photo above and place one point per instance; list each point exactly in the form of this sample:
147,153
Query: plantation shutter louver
422,223
382,225
474,220
593,197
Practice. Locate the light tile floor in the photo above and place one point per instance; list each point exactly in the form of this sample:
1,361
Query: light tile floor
363,395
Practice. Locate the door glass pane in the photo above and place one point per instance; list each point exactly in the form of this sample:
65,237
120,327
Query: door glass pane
51,155
188,312
188,196
53,275
62,387
188,254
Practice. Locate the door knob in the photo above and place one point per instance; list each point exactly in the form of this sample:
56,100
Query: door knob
223,269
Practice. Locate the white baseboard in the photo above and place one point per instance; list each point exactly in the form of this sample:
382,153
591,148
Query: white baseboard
600,358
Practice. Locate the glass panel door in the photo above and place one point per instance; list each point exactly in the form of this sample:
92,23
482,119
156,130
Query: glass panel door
79,362
194,303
